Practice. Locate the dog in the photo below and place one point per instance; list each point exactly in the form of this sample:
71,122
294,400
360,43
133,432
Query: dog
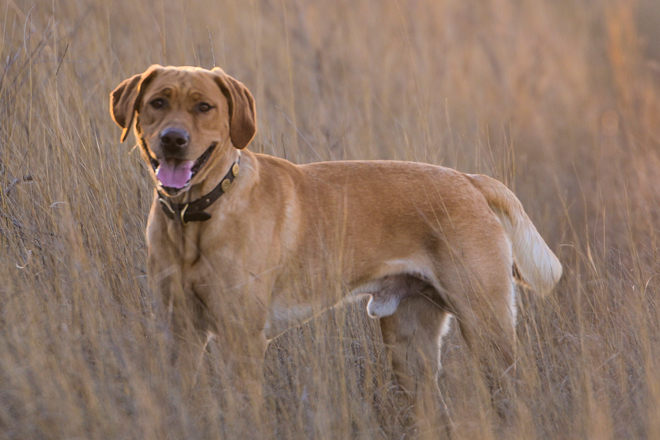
244,246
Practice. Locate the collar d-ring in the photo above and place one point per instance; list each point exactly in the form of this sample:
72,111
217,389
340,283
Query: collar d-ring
183,212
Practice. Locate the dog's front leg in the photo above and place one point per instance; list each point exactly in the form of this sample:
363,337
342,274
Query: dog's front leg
241,344
177,316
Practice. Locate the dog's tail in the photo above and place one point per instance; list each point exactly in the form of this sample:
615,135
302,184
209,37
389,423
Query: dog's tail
536,263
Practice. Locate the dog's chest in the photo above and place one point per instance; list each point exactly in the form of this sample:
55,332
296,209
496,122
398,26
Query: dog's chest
204,253
186,242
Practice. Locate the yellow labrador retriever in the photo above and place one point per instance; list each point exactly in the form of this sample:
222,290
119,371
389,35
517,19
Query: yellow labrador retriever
244,246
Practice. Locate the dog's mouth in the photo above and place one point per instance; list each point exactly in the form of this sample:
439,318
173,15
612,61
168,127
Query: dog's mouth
174,174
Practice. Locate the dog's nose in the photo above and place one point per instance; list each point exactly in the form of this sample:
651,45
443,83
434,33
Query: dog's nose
174,139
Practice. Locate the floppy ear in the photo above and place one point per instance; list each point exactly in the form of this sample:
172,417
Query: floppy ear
125,99
242,111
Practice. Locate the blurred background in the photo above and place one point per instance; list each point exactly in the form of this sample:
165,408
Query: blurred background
558,99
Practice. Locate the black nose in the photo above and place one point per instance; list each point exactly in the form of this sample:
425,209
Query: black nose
173,140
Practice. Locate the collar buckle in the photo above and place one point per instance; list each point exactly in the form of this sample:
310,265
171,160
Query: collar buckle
169,211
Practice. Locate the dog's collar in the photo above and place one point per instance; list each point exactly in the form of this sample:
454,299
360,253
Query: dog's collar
194,211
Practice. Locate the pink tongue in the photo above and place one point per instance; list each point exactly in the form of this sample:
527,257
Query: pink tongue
175,173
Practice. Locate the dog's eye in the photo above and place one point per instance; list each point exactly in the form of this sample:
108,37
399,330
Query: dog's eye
158,103
204,107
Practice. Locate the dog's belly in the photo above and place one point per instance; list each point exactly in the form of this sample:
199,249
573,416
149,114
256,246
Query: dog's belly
283,316
387,293
390,283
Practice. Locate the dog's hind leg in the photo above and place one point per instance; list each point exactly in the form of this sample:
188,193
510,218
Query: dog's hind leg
413,335
484,307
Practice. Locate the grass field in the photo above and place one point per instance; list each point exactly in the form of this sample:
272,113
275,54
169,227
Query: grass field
559,99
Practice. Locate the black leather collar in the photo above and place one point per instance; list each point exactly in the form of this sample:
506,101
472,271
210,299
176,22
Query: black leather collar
194,211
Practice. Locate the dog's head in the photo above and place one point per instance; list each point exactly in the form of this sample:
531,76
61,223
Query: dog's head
184,116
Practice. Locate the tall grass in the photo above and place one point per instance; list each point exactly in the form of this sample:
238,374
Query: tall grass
557,99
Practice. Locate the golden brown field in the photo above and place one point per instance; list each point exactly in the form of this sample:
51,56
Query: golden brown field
559,99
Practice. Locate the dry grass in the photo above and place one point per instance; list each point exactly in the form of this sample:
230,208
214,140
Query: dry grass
555,98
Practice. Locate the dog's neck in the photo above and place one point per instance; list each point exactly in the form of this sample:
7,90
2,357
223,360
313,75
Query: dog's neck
195,204
216,170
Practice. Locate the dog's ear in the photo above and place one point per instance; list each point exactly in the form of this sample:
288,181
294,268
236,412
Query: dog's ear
242,111
125,99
